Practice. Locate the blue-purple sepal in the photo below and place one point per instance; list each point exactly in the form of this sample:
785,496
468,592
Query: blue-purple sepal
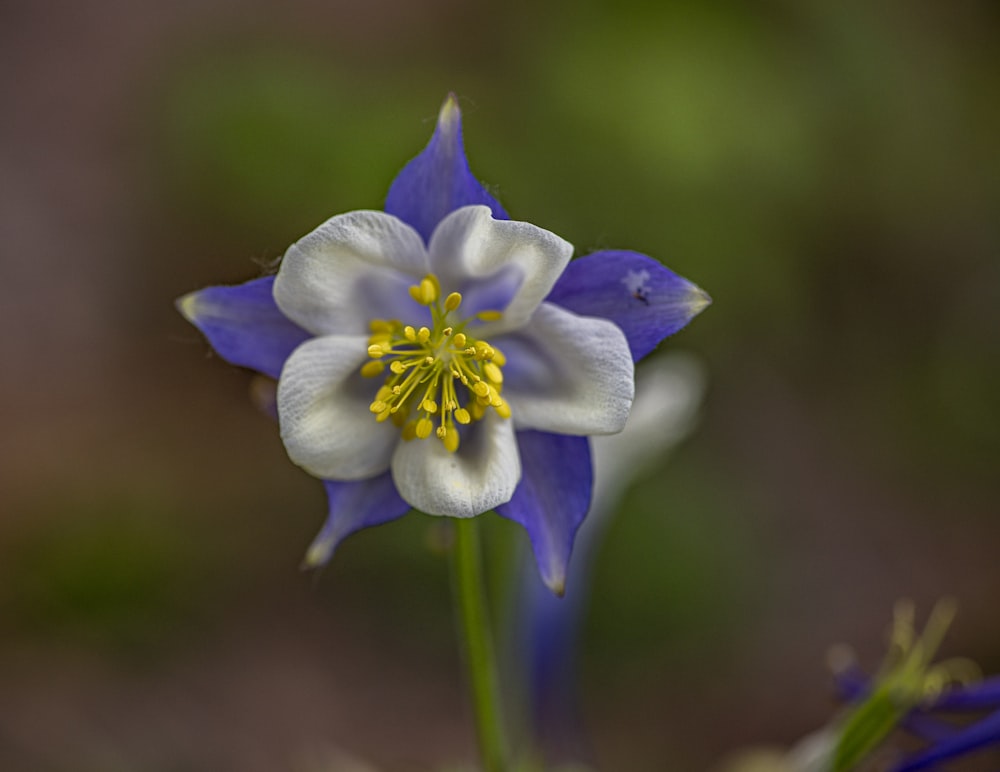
352,506
646,300
438,181
552,498
244,325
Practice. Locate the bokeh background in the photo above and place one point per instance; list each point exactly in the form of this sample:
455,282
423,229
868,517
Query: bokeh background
828,171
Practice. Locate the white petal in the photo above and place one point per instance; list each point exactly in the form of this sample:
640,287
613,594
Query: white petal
469,248
323,411
568,374
351,269
481,475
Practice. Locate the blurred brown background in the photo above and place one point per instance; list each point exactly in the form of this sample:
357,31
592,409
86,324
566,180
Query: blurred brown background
828,171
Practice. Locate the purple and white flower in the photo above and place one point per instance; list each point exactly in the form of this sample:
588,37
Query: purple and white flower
443,357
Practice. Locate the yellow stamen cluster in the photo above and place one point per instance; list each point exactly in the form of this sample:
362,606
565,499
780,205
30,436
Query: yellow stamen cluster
426,363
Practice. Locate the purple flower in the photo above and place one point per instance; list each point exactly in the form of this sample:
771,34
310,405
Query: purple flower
912,692
941,720
440,356
909,692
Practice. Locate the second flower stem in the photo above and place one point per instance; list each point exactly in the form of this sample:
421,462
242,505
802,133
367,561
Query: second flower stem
478,644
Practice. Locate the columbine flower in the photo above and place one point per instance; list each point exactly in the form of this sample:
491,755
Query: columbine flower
440,356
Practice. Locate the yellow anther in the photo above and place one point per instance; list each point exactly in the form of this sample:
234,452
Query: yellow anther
490,316
499,358
429,290
373,368
423,366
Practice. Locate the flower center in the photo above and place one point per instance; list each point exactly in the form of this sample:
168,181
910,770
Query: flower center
428,365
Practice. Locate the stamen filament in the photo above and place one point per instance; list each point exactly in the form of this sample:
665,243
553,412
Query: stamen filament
437,356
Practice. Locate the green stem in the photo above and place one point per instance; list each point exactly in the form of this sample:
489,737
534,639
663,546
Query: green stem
478,644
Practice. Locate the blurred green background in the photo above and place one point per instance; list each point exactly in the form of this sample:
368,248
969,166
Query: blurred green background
828,171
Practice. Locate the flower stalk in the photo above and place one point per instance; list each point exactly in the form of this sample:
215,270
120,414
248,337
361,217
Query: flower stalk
476,641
